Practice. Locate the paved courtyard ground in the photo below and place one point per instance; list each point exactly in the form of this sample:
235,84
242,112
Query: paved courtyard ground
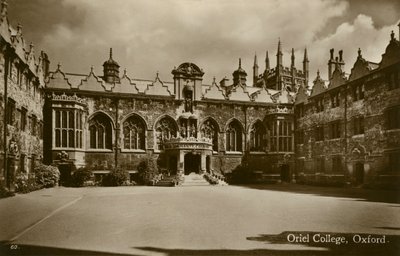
206,220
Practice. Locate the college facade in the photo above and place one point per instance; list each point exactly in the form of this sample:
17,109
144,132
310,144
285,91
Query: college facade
343,130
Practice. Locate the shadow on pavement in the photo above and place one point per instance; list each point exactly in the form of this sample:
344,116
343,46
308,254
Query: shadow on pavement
336,246
7,248
315,243
362,194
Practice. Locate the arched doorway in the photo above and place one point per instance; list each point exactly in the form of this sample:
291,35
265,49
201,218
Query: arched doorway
285,173
359,173
172,165
65,174
192,163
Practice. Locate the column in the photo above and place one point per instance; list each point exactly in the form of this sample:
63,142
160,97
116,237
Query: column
181,163
203,166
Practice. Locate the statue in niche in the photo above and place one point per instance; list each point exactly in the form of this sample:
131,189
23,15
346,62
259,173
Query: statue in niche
188,101
193,131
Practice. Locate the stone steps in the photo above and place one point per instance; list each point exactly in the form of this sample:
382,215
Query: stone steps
166,182
195,179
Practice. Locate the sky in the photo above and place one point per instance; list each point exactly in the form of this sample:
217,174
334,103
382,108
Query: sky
150,36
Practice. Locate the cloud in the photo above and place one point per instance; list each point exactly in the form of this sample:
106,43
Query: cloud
361,33
151,36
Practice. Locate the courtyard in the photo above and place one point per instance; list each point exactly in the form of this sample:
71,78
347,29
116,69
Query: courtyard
200,220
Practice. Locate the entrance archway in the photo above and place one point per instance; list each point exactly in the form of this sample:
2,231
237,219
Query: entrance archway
65,174
192,163
359,173
172,165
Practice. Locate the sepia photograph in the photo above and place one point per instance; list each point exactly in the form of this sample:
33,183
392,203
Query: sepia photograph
199,127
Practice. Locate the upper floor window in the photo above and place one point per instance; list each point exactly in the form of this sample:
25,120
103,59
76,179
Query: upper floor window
335,129
335,100
257,137
281,136
358,92
10,111
33,125
23,119
319,133
358,125
393,79
134,133
234,136
100,130
319,104
393,118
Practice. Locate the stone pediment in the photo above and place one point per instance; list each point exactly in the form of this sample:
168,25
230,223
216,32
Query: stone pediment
188,69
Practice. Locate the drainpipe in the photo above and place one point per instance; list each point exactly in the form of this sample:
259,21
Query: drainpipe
6,68
345,126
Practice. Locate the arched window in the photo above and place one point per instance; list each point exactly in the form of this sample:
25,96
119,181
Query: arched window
234,136
100,132
134,133
166,128
257,137
209,130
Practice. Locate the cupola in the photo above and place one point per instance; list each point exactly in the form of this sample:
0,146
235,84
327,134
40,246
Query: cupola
111,70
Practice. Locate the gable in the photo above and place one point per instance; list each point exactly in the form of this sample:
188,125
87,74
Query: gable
58,80
157,88
214,92
301,96
337,79
239,93
262,96
93,83
125,86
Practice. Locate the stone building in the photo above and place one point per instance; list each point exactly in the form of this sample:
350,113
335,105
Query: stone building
113,120
22,99
347,131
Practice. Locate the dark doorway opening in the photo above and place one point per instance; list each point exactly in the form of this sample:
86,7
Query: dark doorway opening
172,165
285,173
359,173
65,174
192,163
